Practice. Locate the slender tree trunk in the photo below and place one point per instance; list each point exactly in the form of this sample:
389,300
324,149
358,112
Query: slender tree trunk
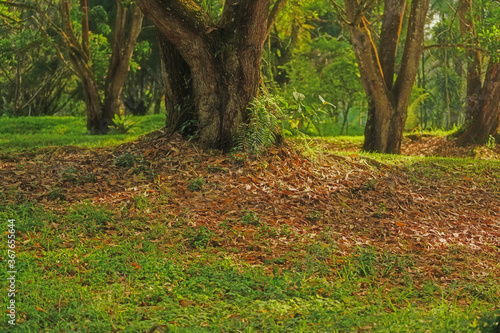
474,66
126,31
388,99
79,54
211,71
286,53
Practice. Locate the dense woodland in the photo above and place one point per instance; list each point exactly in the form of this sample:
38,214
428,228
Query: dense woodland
318,67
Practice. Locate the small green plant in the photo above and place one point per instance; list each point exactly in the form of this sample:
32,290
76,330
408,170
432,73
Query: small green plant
196,184
142,201
123,123
250,218
272,232
215,168
491,143
287,231
91,217
370,185
263,127
365,261
382,207
69,174
237,157
87,178
56,194
300,116
198,237
126,160
314,216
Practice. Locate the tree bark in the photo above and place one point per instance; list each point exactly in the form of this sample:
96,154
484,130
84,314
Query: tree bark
211,69
388,99
474,66
483,98
79,54
487,112
125,34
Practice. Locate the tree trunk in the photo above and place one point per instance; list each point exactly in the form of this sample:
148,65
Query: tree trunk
487,112
211,70
388,99
483,98
79,54
127,29
99,114
474,83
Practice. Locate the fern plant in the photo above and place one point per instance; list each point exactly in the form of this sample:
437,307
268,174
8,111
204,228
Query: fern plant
123,123
263,127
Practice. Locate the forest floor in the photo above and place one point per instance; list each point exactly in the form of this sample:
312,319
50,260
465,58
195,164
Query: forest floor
308,236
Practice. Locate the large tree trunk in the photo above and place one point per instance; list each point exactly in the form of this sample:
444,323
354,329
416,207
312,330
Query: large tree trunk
211,70
388,99
487,109
127,28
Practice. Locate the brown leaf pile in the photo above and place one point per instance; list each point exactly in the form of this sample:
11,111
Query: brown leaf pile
352,200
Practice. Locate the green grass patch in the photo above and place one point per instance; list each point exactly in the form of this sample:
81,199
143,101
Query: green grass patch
77,275
35,132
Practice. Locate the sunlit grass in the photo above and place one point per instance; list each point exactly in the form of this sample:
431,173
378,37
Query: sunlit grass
120,280
36,132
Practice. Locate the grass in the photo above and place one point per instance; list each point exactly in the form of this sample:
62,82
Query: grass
107,281
35,132
90,267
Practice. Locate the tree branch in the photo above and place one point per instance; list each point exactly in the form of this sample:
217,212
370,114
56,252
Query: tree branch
273,15
454,45
17,4
362,9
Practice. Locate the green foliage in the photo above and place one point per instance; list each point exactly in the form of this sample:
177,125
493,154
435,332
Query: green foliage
126,160
263,127
249,217
491,142
322,70
196,184
123,123
300,116
100,51
100,18
91,217
34,81
56,194
200,237
491,38
69,174
31,216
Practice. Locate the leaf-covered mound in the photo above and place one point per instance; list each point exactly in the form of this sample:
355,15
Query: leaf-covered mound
409,224
419,205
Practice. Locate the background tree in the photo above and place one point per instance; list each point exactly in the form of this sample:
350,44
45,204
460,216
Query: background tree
388,98
33,80
143,91
211,62
483,96
125,33
101,70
